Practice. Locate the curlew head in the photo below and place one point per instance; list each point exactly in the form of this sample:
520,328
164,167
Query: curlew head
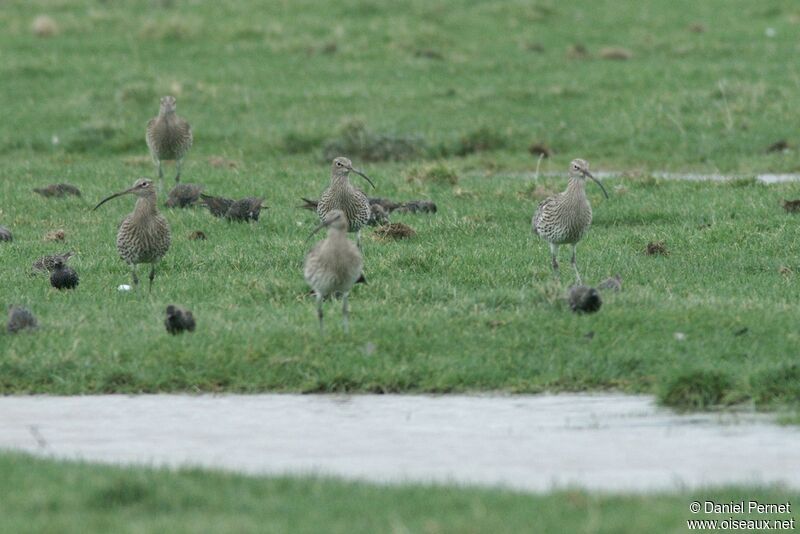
334,220
142,188
579,169
342,167
167,105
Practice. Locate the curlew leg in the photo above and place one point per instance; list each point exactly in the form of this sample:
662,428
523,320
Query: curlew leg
358,240
178,164
160,170
554,254
135,278
575,265
345,313
152,275
319,313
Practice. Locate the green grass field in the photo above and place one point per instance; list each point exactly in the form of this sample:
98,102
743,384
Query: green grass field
466,305
75,497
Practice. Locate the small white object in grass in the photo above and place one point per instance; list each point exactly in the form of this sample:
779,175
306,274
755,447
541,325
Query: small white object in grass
770,32
680,336
54,140
124,287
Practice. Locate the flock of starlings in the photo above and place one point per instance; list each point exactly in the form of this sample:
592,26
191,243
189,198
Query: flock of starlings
333,265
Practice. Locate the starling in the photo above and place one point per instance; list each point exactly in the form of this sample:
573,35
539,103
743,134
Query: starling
377,215
5,234
417,206
584,299
19,319
613,283
246,209
218,206
178,320
388,205
183,195
57,190
62,276
47,263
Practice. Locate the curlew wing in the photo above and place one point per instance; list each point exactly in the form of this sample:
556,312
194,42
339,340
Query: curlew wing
544,206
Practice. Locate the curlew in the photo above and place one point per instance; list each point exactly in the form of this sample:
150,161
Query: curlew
143,236
334,264
62,276
341,195
563,219
169,137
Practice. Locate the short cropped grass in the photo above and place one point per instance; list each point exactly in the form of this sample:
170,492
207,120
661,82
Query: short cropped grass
469,303
46,496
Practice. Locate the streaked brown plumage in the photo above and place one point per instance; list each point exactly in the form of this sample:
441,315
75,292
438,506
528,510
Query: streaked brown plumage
341,195
169,137
183,195
334,264
47,263
144,235
565,217
57,190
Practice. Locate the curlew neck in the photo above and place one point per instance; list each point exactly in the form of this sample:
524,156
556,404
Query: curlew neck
145,207
576,186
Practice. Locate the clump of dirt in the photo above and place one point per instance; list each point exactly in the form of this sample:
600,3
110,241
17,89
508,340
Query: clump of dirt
55,235
395,231
616,53
778,146
219,161
197,234
437,173
577,51
656,248
356,141
540,149
791,206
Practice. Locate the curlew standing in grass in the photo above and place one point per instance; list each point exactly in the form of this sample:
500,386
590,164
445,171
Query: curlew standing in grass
563,219
334,265
169,137
143,236
341,195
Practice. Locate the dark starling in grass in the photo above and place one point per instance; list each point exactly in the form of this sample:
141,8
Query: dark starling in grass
388,205
19,319
183,195
5,234
48,263
377,215
58,190
246,209
584,299
613,283
791,206
218,206
62,276
178,320
417,206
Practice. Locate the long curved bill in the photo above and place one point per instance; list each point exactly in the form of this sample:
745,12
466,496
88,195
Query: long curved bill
363,176
597,182
115,195
319,227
